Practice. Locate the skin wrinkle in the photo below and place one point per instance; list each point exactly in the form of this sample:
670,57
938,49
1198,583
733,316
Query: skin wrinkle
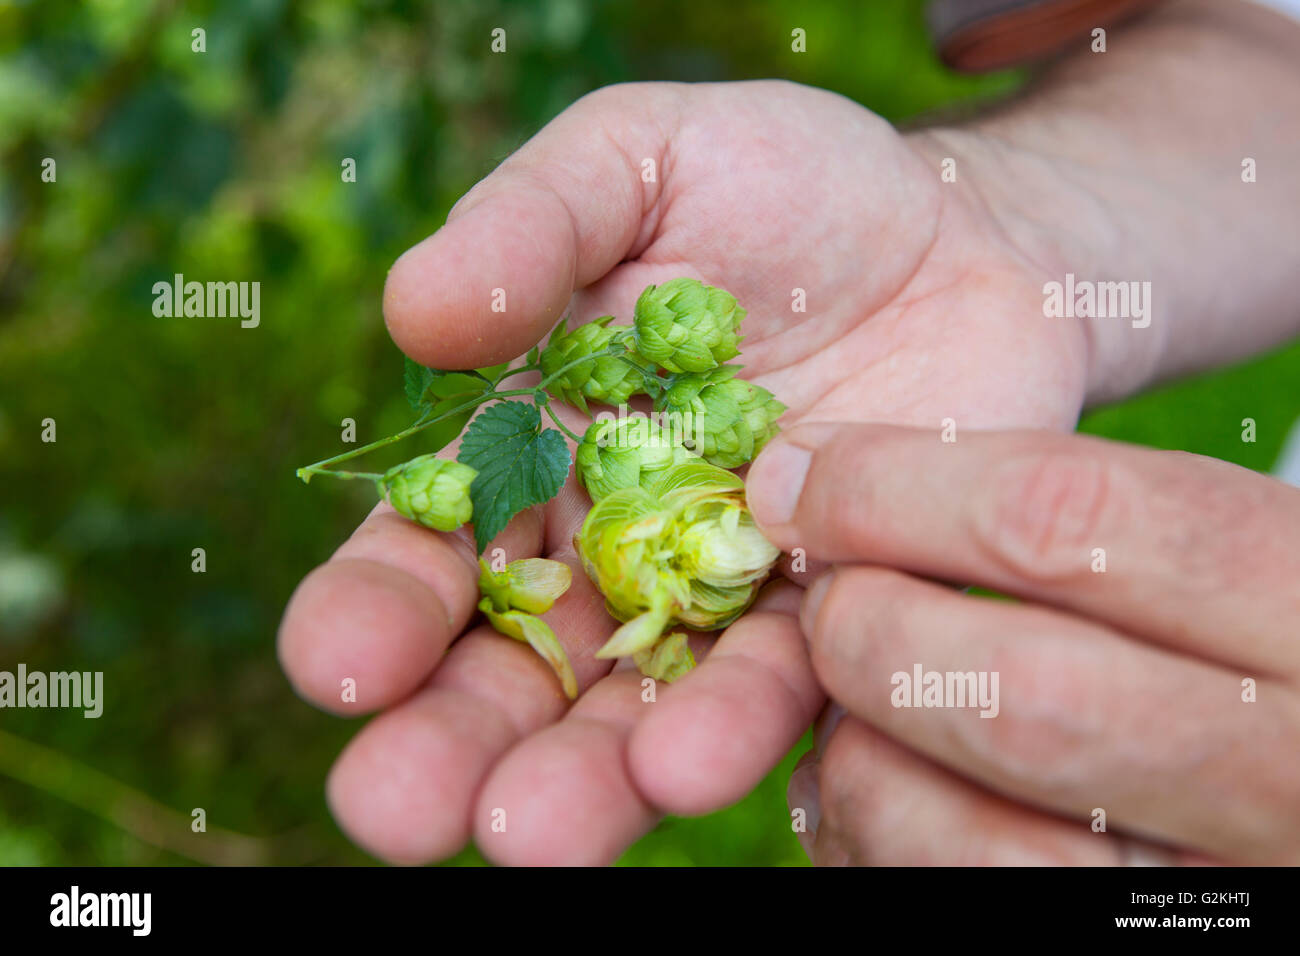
1043,240
521,725
657,200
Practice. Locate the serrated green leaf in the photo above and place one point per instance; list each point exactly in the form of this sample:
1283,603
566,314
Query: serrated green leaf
427,387
454,384
416,379
519,465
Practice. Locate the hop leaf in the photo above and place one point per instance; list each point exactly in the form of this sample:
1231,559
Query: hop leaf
518,463
432,393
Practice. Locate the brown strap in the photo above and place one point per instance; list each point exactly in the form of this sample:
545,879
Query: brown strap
980,35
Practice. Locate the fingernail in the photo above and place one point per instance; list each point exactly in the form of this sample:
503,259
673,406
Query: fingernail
812,602
775,481
826,724
803,793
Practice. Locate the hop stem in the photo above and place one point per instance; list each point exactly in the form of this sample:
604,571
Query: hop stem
564,428
324,466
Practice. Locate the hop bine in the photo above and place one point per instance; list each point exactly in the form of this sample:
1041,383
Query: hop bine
611,379
735,418
433,491
686,326
684,550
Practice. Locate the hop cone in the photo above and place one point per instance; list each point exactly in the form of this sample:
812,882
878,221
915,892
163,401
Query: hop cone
684,549
513,598
687,326
433,491
606,378
625,453
529,584
732,418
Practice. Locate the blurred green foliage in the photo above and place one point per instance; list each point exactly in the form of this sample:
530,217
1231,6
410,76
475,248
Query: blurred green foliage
174,435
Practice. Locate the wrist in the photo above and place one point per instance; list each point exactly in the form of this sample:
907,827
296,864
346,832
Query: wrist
1056,227
1041,197
1130,167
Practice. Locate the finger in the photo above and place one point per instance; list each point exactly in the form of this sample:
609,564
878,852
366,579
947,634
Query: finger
1078,717
878,803
405,786
1175,548
712,737
364,630
555,216
570,785
563,796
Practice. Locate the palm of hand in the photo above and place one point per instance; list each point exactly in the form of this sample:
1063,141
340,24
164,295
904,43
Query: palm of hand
916,311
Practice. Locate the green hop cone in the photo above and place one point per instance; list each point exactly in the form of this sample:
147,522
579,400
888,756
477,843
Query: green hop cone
733,419
433,491
611,379
512,599
529,584
687,326
684,549
624,453
666,660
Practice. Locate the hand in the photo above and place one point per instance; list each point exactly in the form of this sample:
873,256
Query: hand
916,312
1164,689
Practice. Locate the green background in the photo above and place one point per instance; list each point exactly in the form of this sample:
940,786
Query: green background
176,434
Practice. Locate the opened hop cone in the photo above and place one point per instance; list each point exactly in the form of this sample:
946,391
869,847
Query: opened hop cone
687,326
684,550
667,659
433,491
513,598
625,453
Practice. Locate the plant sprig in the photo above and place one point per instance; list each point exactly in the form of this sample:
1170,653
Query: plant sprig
524,464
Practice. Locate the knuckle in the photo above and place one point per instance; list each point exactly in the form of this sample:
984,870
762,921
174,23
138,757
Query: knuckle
849,644
1045,512
1051,714
850,797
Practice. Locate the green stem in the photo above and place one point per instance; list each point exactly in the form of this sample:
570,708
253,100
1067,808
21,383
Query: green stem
610,350
349,475
323,466
531,367
555,418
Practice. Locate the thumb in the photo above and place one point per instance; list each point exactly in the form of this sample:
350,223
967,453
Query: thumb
555,216
849,491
